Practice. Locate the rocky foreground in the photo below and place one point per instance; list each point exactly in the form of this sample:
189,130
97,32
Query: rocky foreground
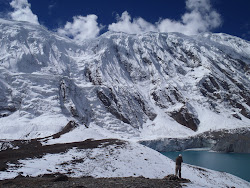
23,149
97,163
34,149
62,181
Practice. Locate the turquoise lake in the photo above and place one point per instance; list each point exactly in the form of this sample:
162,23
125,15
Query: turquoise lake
237,164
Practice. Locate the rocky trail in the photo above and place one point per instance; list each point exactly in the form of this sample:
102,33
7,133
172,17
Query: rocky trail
61,181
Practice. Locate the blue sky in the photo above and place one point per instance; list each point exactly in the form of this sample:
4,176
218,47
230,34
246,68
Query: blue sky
81,19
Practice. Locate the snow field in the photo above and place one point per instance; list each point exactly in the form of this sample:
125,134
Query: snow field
132,159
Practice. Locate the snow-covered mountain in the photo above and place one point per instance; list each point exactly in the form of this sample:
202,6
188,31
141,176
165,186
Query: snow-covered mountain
131,87
143,86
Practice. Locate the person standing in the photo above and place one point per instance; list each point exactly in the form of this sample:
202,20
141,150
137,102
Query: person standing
178,166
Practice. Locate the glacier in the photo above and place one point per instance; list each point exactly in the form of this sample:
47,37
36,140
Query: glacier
152,85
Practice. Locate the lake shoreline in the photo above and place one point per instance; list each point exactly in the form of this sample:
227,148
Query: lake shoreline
220,142
233,163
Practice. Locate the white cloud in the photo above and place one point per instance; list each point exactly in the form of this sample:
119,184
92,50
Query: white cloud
200,17
124,24
81,28
22,11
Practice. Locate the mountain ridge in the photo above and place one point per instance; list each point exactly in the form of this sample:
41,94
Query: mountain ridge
129,86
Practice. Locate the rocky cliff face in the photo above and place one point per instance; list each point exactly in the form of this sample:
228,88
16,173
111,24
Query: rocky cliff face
236,140
148,85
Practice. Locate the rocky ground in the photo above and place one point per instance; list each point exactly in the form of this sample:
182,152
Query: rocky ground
61,181
34,149
13,151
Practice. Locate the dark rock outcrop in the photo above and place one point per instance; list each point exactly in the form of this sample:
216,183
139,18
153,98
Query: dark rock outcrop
172,177
184,117
107,103
90,182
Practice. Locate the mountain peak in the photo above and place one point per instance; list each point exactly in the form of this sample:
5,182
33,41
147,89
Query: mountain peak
142,86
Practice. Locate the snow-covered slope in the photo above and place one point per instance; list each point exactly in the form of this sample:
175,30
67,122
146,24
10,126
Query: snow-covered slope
118,85
118,160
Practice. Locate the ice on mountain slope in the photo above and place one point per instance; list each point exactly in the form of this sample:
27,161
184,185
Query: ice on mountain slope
128,86
234,43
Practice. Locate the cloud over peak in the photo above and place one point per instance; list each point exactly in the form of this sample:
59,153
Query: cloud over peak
124,24
22,11
200,17
81,28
